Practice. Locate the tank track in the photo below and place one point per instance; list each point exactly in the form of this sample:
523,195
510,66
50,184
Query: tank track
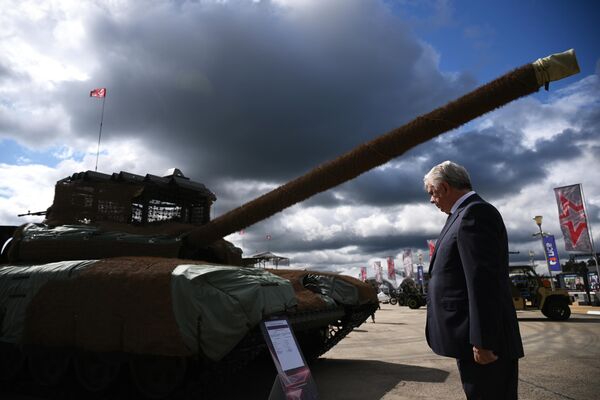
325,328
336,332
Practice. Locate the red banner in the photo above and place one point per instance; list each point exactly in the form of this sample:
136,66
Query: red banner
391,269
363,273
573,221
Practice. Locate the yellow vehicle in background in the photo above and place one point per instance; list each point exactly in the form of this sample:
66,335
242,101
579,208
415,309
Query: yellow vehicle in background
530,292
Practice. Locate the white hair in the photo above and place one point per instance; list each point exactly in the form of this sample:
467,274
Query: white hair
450,172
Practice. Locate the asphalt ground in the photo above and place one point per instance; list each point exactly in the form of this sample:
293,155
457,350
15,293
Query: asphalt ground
390,360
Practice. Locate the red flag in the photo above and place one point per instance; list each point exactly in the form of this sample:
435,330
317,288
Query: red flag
363,273
573,221
431,245
100,92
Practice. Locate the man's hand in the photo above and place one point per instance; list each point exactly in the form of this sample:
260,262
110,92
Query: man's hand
483,356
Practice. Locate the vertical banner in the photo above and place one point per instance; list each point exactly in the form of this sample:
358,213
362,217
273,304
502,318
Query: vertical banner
420,279
378,270
391,269
551,253
363,274
431,245
573,221
407,262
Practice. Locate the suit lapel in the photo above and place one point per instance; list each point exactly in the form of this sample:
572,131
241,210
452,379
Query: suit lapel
449,221
448,224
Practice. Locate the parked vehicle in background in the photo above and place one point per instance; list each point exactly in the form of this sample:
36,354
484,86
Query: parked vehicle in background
576,285
383,298
409,294
530,292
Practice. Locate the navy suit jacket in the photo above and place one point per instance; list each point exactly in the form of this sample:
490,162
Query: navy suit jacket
468,297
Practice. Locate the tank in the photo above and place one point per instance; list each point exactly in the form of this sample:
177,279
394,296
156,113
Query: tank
129,275
111,279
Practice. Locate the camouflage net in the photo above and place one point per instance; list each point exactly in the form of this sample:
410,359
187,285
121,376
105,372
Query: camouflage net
92,197
308,300
125,305
115,305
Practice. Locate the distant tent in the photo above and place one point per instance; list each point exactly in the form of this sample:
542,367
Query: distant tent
268,260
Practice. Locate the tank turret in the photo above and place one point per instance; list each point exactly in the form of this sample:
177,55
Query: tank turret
96,215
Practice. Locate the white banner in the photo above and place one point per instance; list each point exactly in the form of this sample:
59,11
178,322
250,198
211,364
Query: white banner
407,262
377,266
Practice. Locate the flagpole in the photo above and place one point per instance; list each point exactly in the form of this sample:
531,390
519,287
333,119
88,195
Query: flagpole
100,133
589,226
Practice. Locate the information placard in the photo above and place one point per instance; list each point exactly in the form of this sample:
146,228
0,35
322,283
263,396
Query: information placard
294,380
284,345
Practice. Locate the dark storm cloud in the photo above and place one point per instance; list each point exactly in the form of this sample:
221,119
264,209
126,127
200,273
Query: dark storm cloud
232,194
496,159
259,91
400,184
498,163
293,242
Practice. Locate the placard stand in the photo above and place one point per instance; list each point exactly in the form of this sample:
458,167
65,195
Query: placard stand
294,380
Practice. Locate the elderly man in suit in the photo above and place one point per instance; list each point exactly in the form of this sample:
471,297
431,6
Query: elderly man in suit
470,313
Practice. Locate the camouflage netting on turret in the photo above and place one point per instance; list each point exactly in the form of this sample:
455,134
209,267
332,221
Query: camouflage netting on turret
96,215
39,243
125,198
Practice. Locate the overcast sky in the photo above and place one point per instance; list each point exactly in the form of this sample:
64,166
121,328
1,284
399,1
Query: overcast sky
246,95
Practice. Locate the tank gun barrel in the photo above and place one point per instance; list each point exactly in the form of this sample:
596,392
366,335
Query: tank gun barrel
520,82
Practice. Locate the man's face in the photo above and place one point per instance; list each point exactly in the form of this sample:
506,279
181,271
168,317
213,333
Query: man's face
440,196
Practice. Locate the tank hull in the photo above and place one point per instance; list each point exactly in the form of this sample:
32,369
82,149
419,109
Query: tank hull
153,316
